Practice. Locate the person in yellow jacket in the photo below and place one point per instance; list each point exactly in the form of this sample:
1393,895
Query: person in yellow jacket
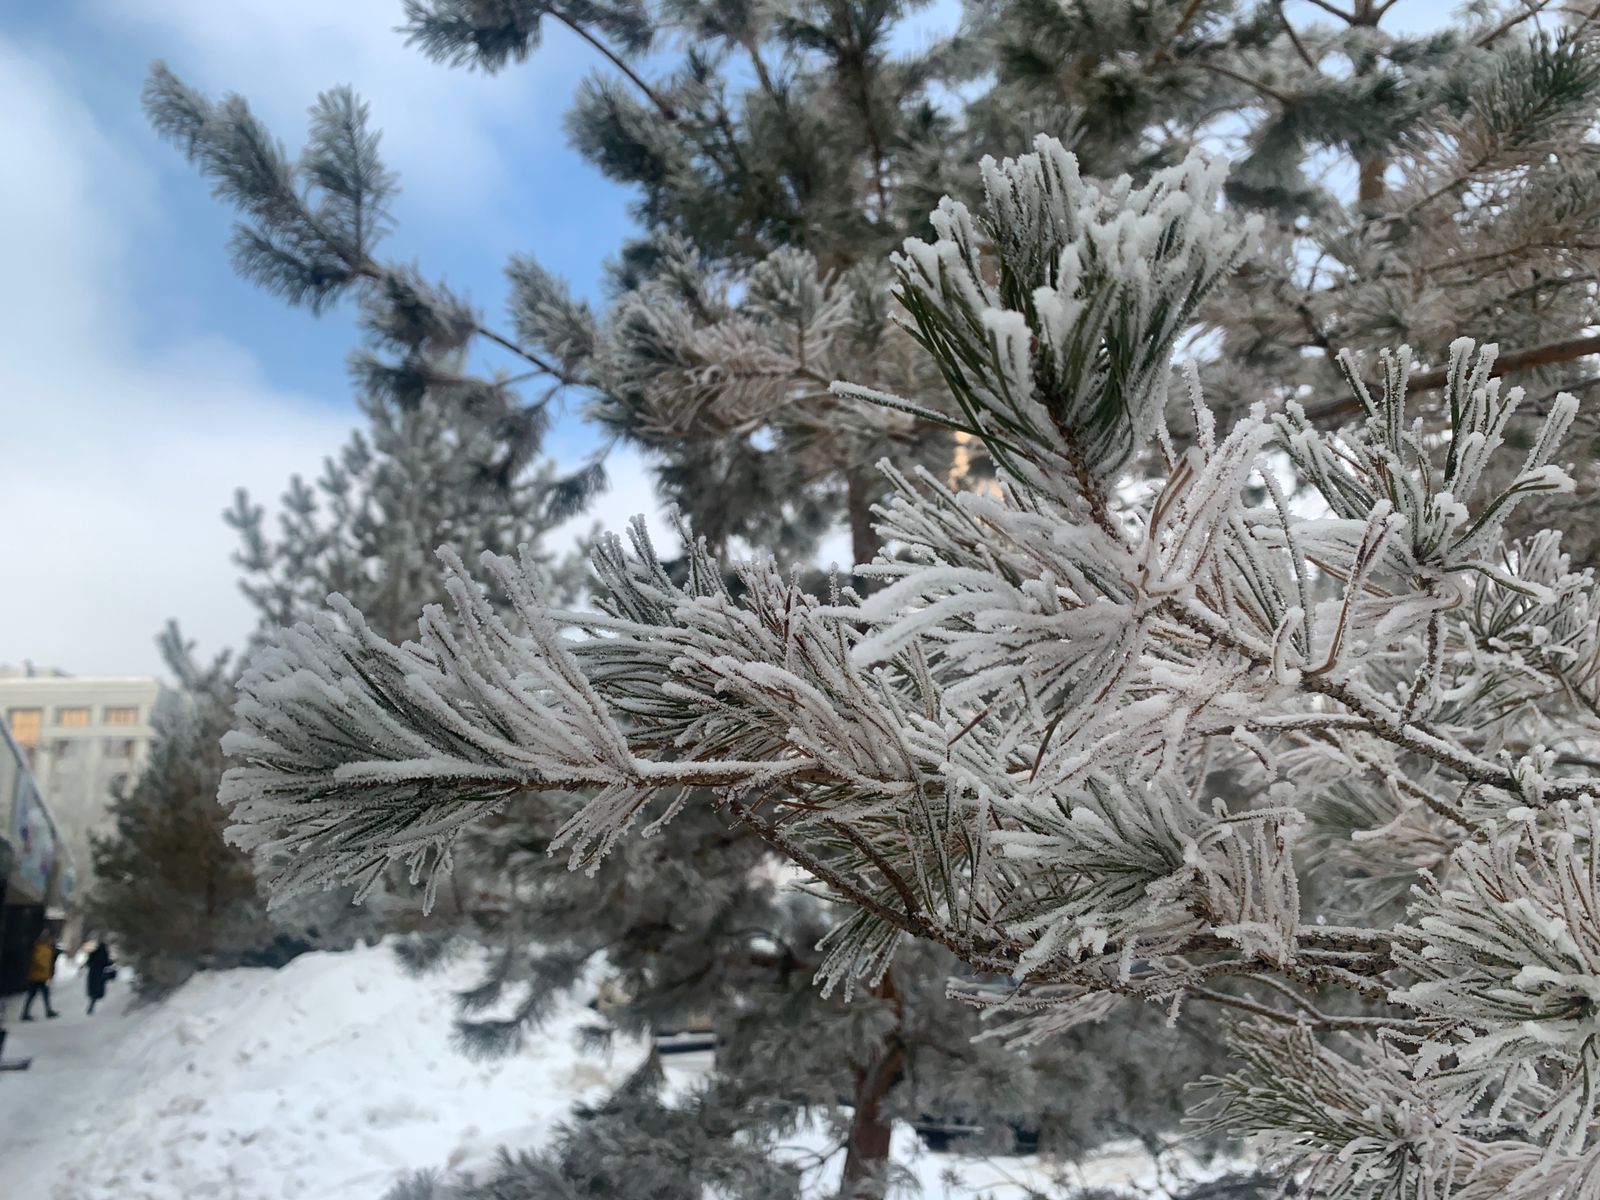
41,968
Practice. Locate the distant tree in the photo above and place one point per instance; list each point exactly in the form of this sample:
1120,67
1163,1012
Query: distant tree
446,456
451,454
167,886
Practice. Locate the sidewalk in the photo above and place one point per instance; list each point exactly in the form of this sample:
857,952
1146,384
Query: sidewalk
76,1068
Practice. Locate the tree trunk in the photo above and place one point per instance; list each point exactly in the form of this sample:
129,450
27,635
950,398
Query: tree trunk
859,483
866,1162
1371,186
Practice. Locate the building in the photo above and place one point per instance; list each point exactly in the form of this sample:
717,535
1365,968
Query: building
80,737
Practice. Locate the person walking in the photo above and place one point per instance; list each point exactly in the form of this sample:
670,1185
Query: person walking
41,969
102,969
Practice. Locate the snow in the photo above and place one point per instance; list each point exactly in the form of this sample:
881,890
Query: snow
325,1079
331,1077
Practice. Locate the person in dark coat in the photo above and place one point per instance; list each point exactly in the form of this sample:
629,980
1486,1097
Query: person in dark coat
100,969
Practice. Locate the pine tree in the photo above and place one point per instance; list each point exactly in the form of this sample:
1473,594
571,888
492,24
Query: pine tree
698,370
766,212
777,205
446,456
1008,748
451,454
175,894
310,231
1412,186
731,395
760,280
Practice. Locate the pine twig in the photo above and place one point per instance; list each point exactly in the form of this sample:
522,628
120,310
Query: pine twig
1185,19
1267,90
1322,1022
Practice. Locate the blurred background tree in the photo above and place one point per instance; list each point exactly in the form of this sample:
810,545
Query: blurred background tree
446,455
172,893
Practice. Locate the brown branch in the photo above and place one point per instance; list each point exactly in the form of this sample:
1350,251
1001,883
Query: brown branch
1190,11
1294,38
1347,17
527,355
1322,1023
361,267
1238,77
665,109
763,76
905,922
1495,34
1294,997
375,273
1318,335
1412,738
1547,355
871,1130
1371,187
1427,799
1588,16
1518,360
893,877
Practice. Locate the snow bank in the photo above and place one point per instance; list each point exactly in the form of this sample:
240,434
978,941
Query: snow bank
324,1079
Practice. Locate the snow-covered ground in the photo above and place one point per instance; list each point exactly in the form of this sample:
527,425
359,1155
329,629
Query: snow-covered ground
324,1080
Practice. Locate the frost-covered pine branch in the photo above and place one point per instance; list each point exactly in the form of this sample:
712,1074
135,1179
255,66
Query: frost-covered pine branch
310,231
734,394
1087,722
310,228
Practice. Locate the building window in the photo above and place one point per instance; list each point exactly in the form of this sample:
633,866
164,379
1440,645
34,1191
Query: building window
119,786
64,749
122,714
25,724
120,748
72,718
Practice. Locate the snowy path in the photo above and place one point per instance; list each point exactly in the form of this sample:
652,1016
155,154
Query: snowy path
69,1075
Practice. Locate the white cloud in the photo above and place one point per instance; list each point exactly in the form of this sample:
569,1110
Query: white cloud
116,456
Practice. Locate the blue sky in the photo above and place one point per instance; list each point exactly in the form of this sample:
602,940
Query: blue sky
484,164
142,381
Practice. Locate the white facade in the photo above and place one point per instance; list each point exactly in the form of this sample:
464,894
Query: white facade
81,736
